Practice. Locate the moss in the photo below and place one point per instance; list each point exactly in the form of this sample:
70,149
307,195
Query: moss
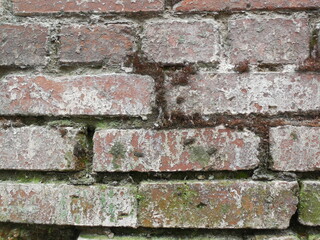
108,124
94,236
200,154
64,123
186,193
314,237
140,197
241,175
309,205
26,179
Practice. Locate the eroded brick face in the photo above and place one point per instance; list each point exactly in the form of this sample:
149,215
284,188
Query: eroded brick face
64,204
114,94
229,5
268,93
96,44
30,7
178,41
217,204
217,148
295,148
23,45
269,40
42,148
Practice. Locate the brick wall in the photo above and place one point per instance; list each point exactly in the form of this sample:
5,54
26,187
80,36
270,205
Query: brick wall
190,119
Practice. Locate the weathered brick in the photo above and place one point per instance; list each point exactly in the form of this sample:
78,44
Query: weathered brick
269,40
239,93
231,5
295,148
84,236
286,235
95,44
42,148
63,204
113,94
199,149
31,7
217,204
178,41
35,232
23,45
309,205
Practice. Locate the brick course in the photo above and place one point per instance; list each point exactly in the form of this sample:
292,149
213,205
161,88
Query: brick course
229,5
114,94
217,204
270,40
42,148
63,204
179,41
31,7
95,44
23,45
239,93
295,148
217,148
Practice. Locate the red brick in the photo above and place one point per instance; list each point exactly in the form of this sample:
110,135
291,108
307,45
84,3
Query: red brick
113,94
143,150
269,40
238,5
23,45
95,44
42,148
217,204
63,204
177,41
295,148
31,7
239,93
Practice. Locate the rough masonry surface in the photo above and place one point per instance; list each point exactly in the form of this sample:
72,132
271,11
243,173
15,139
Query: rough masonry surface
142,150
217,204
114,94
32,148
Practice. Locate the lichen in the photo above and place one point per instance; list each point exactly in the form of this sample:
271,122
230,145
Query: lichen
118,151
200,154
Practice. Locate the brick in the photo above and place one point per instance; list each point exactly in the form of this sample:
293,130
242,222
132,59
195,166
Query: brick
95,44
217,204
239,5
178,41
38,232
309,205
112,94
84,236
269,40
31,7
286,235
295,148
23,45
63,204
42,148
199,149
209,93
